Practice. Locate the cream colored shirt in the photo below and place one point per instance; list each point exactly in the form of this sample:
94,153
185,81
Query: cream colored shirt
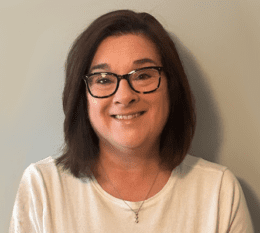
199,197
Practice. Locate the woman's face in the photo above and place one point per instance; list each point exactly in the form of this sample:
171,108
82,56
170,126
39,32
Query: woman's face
120,55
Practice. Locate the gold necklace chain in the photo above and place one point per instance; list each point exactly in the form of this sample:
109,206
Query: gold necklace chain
135,212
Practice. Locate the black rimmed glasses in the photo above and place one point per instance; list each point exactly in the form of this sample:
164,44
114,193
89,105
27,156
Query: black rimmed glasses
104,84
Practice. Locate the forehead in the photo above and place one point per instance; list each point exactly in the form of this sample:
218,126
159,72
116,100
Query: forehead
124,50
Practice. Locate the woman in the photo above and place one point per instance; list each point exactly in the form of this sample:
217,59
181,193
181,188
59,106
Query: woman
129,122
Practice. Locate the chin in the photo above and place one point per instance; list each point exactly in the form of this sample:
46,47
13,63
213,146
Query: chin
132,145
128,145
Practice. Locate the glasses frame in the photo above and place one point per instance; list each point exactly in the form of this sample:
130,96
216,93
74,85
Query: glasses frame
125,76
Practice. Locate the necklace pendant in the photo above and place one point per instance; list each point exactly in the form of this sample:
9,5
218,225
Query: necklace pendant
136,218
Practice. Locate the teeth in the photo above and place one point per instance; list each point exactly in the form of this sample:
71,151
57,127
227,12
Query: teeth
127,117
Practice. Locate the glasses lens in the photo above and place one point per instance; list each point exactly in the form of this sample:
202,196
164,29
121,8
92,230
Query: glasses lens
145,80
102,84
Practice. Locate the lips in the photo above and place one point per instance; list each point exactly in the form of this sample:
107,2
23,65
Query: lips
128,116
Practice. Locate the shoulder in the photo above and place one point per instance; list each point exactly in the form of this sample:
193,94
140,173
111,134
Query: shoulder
41,168
200,175
44,174
217,191
197,170
195,166
45,182
202,165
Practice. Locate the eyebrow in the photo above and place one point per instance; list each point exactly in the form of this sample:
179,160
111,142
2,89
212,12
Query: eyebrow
144,60
99,66
137,62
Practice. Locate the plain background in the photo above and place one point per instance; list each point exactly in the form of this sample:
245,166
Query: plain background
219,44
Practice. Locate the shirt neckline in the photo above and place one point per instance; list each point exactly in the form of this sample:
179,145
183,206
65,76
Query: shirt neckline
134,205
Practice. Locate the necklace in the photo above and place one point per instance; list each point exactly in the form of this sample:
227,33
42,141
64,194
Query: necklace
135,212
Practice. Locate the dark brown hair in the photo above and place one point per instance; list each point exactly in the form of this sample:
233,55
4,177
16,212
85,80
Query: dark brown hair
81,148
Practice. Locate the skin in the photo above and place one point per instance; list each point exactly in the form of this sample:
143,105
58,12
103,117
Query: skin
129,149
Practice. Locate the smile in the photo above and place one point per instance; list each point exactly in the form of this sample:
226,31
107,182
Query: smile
128,117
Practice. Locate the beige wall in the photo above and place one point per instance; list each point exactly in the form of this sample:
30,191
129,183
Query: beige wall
218,43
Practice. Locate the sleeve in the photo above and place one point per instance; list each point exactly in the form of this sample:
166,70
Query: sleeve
233,212
29,204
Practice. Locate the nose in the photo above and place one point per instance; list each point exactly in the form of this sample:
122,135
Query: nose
125,95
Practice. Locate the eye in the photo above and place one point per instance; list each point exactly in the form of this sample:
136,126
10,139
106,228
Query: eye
143,76
104,81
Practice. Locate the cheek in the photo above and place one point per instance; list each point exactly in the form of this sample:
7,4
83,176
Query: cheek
160,112
93,113
91,100
164,107
92,109
164,100
164,111
97,110
92,104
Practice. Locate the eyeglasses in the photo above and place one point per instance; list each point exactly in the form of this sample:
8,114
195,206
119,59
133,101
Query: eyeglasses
104,84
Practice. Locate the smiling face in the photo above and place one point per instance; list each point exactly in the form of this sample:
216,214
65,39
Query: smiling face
120,55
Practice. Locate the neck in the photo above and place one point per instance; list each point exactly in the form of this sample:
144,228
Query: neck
134,173
128,162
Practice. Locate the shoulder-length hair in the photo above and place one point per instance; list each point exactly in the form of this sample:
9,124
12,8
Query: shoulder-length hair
81,147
